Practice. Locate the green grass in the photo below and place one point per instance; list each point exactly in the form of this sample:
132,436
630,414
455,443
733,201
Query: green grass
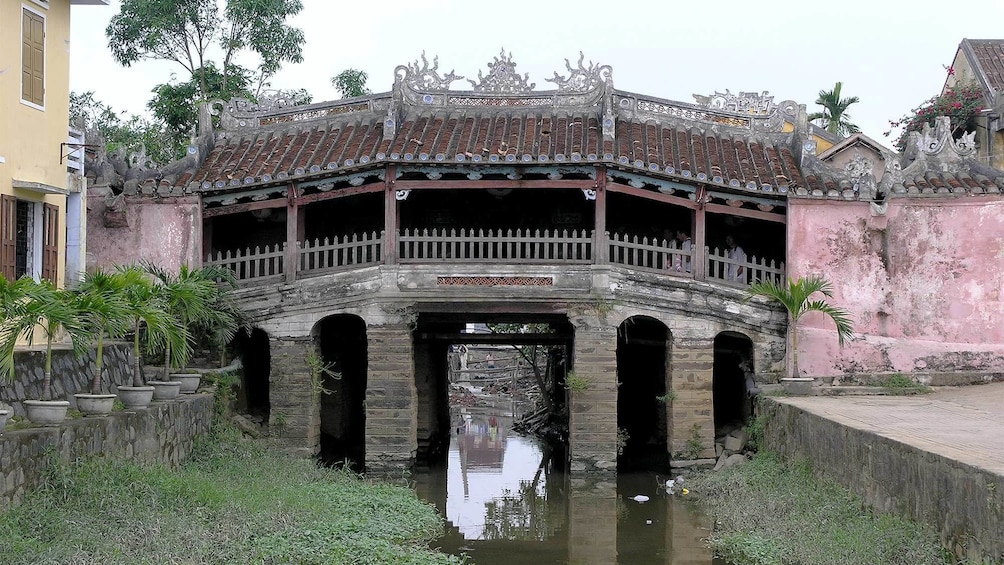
236,501
767,513
899,384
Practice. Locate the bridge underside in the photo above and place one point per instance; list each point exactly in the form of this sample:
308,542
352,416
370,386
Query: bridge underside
643,349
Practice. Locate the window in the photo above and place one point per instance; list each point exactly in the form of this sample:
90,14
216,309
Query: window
32,57
29,239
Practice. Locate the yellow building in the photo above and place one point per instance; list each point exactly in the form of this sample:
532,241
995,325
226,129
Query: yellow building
41,176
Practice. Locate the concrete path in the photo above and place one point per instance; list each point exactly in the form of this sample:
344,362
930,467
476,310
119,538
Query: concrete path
965,423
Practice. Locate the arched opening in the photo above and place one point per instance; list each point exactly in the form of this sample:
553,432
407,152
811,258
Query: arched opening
642,423
253,349
733,365
342,343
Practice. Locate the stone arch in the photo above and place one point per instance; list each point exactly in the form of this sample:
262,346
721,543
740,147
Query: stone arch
643,349
342,348
733,364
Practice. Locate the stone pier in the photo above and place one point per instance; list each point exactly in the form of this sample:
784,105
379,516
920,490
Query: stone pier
391,399
691,364
592,417
295,409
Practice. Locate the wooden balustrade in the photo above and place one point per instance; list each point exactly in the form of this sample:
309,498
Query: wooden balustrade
555,247
340,253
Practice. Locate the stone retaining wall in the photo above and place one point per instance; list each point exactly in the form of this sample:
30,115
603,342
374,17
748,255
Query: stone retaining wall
70,374
163,434
961,502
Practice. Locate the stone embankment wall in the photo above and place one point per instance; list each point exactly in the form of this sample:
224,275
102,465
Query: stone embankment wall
962,503
163,434
70,374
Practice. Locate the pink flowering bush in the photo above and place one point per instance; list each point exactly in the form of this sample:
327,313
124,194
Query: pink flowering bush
961,104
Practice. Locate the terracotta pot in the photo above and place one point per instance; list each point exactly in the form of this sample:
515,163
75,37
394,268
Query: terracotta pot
46,412
165,390
95,404
136,397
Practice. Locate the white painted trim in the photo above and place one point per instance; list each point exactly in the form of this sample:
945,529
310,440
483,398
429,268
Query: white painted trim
2,160
45,59
44,4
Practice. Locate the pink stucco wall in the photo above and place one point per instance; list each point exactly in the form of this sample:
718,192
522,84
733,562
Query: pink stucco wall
166,231
923,282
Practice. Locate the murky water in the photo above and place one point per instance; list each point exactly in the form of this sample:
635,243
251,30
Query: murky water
506,501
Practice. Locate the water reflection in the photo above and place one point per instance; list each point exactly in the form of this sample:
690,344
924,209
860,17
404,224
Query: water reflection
507,500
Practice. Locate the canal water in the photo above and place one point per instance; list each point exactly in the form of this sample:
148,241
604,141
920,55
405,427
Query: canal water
508,501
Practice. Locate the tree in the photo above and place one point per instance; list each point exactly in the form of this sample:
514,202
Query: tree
795,296
187,31
13,299
101,300
175,104
147,309
834,116
351,82
52,310
122,132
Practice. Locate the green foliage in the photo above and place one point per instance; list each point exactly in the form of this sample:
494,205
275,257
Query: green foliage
189,32
351,82
226,383
176,104
834,116
960,104
149,308
899,384
694,445
13,296
235,501
670,396
318,370
121,132
577,383
622,440
105,312
767,512
279,421
756,427
795,297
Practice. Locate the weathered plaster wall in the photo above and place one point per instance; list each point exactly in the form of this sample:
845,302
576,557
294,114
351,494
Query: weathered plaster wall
962,503
70,374
923,281
163,433
166,231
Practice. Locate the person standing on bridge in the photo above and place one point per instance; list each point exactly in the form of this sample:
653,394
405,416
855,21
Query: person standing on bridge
736,269
682,261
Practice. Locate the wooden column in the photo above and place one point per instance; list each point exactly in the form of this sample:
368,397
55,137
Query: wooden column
700,258
390,219
600,247
292,228
207,240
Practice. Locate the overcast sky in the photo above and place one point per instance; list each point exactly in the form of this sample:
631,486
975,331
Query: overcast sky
889,53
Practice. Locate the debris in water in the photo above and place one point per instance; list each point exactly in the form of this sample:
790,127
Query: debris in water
639,498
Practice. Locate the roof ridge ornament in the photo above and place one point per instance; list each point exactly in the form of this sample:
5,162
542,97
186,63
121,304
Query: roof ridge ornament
502,77
583,79
425,78
742,103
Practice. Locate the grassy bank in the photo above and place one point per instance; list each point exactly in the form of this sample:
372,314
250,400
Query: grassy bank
236,501
767,513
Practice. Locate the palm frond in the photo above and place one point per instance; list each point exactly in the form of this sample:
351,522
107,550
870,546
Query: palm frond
839,316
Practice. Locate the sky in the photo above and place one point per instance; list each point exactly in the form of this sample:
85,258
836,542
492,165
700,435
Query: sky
892,54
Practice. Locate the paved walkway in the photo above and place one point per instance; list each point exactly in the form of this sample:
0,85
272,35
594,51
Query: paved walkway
964,423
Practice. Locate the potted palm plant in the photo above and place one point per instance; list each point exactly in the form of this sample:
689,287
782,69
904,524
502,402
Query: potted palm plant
105,311
795,297
13,296
150,320
52,311
196,299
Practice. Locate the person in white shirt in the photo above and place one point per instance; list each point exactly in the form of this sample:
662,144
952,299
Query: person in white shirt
683,262
735,272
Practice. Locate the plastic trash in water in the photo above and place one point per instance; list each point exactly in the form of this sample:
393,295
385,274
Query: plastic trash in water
639,498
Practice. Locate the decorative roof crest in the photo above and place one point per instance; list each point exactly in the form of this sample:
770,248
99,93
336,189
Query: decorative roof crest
425,78
502,77
742,103
934,141
582,79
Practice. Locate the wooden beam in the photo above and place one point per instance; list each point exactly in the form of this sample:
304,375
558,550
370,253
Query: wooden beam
650,195
497,339
292,257
243,207
600,218
341,193
746,213
463,184
390,217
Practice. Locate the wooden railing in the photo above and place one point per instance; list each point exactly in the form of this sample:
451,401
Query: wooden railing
340,253
655,255
260,264
739,272
495,246
557,247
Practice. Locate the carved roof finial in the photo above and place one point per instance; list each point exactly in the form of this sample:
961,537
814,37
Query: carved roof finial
742,103
502,77
425,78
582,79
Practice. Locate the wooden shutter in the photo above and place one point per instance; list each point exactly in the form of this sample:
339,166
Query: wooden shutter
32,57
8,229
50,242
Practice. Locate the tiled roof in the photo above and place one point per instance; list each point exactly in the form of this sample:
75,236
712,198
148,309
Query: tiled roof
503,136
989,56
